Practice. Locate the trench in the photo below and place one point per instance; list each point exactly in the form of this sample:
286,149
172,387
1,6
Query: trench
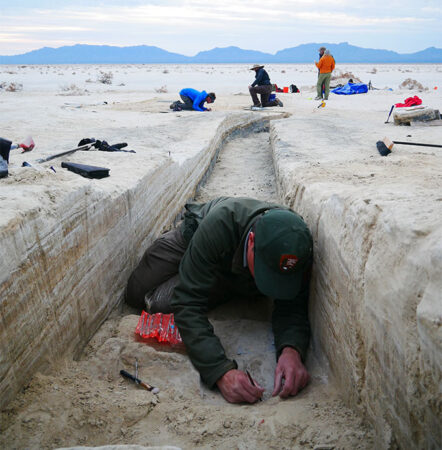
85,402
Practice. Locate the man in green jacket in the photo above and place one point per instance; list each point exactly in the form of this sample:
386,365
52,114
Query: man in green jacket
234,247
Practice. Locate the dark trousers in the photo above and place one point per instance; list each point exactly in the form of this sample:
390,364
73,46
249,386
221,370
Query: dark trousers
264,92
187,103
159,264
152,283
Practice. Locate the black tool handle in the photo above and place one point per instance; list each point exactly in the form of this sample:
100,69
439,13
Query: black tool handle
417,143
125,374
68,152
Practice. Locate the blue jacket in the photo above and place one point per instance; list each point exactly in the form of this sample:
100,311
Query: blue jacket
198,98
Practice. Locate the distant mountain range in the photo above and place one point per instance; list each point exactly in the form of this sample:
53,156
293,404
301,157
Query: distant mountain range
144,54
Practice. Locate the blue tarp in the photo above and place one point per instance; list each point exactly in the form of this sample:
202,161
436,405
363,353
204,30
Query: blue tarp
351,88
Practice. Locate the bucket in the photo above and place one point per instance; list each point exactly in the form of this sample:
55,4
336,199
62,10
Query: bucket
285,89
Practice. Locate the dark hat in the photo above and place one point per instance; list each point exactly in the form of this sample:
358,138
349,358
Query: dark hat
256,66
283,252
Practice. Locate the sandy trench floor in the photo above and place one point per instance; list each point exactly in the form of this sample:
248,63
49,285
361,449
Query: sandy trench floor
87,403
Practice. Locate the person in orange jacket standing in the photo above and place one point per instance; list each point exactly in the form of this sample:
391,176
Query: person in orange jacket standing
326,66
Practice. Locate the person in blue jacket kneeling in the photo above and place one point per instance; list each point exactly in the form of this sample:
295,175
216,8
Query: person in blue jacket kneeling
193,100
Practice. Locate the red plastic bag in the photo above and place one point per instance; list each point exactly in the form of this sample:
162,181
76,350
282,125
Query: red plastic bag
410,101
158,326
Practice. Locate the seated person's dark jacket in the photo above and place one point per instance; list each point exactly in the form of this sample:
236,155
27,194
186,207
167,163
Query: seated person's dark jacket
261,78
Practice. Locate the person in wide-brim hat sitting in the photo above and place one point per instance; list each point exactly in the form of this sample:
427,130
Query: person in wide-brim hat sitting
263,87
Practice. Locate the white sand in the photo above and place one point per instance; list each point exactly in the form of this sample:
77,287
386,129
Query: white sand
85,402
221,78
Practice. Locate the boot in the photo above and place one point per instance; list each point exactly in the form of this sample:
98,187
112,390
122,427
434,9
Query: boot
159,299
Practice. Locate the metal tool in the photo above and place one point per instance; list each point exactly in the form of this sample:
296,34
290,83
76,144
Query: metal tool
136,380
388,118
67,152
252,382
386,145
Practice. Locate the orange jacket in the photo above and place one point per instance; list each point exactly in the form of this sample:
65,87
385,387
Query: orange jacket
326,64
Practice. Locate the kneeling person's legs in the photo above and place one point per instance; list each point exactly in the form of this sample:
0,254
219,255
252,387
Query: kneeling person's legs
265,92
159,263
188,103
253,93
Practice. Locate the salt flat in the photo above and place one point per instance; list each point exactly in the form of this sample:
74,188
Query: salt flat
222,78
70,244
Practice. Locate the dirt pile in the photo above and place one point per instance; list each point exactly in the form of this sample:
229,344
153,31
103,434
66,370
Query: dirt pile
412,85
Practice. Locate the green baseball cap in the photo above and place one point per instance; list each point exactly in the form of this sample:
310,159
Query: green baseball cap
283,252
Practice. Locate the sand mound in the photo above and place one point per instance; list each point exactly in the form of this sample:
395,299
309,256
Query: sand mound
412,85
339,77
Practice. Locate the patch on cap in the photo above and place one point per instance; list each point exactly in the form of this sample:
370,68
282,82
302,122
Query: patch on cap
287,263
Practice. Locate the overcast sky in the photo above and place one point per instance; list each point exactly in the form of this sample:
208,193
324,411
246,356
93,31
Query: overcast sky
189,26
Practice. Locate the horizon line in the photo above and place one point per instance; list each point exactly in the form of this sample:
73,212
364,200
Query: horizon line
216,47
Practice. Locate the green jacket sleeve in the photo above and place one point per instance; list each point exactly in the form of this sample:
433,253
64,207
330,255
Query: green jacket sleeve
210,244
290,322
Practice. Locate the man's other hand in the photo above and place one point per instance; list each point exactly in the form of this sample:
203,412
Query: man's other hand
208,109
290,374
236,387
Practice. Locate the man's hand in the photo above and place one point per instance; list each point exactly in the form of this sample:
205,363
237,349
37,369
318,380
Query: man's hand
208,109
236,387
292,371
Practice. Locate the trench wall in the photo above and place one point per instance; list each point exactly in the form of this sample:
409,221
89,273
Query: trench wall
375,305
64,267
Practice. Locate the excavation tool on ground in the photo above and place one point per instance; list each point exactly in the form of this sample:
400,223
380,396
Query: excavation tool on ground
389,114
26,164
67,152
136,380
87,144
386,145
